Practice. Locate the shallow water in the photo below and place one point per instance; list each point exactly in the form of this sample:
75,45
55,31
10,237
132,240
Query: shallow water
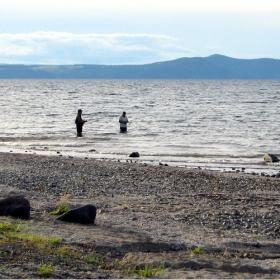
220,124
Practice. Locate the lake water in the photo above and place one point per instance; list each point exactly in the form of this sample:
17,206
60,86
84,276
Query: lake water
215,124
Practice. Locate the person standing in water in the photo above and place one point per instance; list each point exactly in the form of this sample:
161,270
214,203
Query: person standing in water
123,122
79,123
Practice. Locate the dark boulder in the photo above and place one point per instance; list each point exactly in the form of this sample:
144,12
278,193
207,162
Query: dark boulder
16,206
270,158
134,154
82,215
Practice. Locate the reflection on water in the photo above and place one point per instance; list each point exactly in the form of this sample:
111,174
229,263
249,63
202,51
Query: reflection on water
179,121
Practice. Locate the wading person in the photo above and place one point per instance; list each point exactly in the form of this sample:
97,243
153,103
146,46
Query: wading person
79,123
123,122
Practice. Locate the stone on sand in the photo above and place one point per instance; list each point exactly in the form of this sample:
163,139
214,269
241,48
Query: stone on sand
82,215
16,206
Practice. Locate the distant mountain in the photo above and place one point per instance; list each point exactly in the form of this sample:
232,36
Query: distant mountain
212,67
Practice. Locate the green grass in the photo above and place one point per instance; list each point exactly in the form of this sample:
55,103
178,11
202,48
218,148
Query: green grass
2,268
48,248
10,227
67,251
11,230
148,271
46,270
61,208
35,239
92,259
197,251
10,233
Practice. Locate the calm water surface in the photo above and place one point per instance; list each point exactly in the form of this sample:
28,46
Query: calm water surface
213,124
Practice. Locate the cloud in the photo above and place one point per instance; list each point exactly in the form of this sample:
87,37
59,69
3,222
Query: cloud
68,48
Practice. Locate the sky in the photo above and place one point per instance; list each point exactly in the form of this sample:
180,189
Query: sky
119,32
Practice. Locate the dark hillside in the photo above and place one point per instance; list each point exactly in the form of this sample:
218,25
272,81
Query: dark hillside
212,67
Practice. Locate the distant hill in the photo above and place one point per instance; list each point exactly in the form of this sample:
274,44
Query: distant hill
212,67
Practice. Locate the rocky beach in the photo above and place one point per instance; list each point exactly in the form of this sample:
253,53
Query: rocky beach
175,222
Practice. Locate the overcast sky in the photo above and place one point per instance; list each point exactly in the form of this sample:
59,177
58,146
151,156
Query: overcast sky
136,31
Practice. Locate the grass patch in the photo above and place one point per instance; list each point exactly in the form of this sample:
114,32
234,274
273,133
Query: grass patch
67,251
10,231
46,270
92,259
61,208
10,227
2,268
255,236
42,249
197,251
37,239
148,271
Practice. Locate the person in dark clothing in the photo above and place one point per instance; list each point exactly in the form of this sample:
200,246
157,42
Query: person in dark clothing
79,123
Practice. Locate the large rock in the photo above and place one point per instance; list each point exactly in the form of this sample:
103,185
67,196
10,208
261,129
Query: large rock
134,154
270,158
82,215
16,206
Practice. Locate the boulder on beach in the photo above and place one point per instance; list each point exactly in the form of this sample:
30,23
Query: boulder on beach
16,206
270,158
82,215
134,154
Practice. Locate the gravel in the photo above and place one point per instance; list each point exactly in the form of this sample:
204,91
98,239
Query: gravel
162,207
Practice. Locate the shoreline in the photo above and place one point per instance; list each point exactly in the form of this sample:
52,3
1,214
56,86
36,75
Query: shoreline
261,169
153,214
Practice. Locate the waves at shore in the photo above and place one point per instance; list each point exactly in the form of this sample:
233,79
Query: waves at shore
221,125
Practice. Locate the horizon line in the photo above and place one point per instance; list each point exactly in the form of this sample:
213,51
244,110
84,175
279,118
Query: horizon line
194,57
